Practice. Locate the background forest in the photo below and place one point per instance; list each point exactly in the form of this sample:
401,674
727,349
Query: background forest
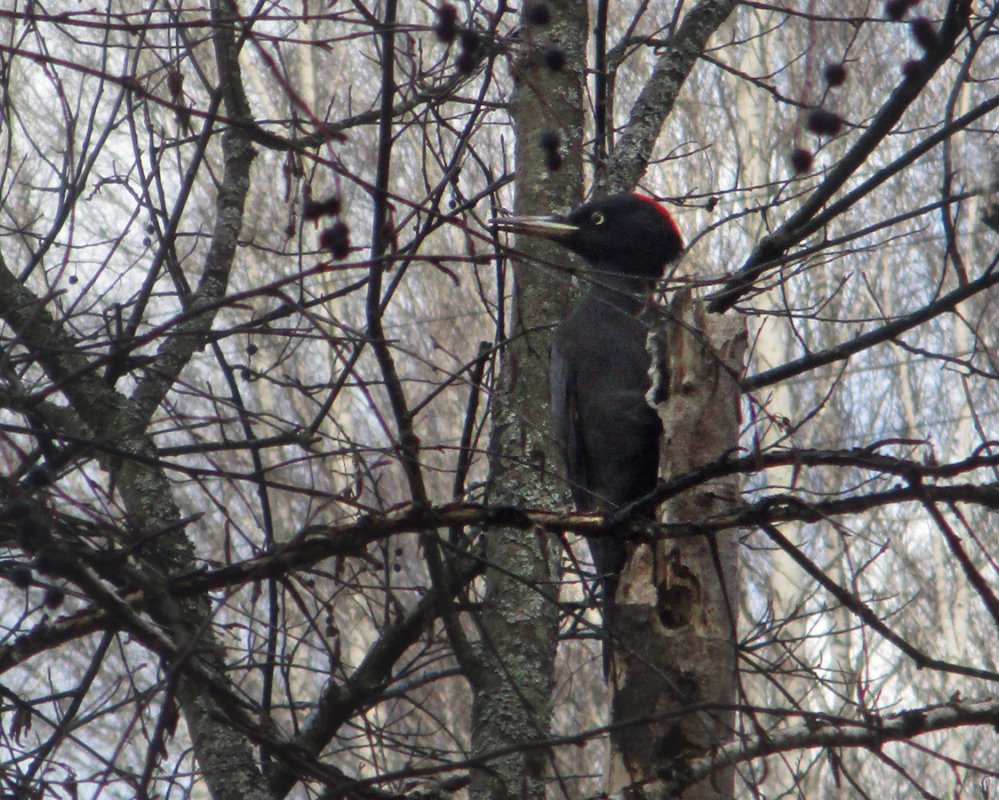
280,513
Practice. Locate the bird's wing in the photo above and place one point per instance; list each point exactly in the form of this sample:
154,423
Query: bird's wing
622,434
568,427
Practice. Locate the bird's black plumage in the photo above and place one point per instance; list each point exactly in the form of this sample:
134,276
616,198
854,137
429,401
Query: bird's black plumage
608,433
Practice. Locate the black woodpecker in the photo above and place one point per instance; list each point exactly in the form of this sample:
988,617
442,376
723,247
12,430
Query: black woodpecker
608,433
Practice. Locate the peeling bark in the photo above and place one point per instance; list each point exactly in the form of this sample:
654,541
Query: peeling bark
677,604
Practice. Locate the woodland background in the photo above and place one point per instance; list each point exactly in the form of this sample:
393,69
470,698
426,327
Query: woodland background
280,511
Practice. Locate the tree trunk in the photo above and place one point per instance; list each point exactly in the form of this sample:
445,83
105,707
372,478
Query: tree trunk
513,678
677,604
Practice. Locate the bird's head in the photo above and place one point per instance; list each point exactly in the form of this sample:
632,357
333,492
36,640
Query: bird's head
627,234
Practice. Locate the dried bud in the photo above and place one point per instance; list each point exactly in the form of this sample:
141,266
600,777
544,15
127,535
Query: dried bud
550,144
470,40
317,209
175,83
896,9
465,62
924,33
183,116
20,576
336,239
549,141
801,160
824,123
554,58
54,597
31,532
538,13
835,74
446,24
38,477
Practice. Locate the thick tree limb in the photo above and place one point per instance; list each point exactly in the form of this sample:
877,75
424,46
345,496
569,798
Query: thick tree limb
885,333
871,734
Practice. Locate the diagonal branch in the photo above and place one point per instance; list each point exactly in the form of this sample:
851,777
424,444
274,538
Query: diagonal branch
654,104
804,221
885,333
870,734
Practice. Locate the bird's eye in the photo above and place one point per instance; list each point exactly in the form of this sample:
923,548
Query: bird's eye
597,218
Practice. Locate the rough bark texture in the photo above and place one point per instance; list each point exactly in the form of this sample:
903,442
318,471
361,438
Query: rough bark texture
183,635
677,602
519,622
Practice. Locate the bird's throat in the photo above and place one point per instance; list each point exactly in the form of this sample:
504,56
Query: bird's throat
626,292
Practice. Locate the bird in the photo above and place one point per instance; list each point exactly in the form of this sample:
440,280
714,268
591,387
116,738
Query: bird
608,434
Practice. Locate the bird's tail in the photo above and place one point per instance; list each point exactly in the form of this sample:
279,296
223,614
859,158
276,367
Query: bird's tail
609,555
608,590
